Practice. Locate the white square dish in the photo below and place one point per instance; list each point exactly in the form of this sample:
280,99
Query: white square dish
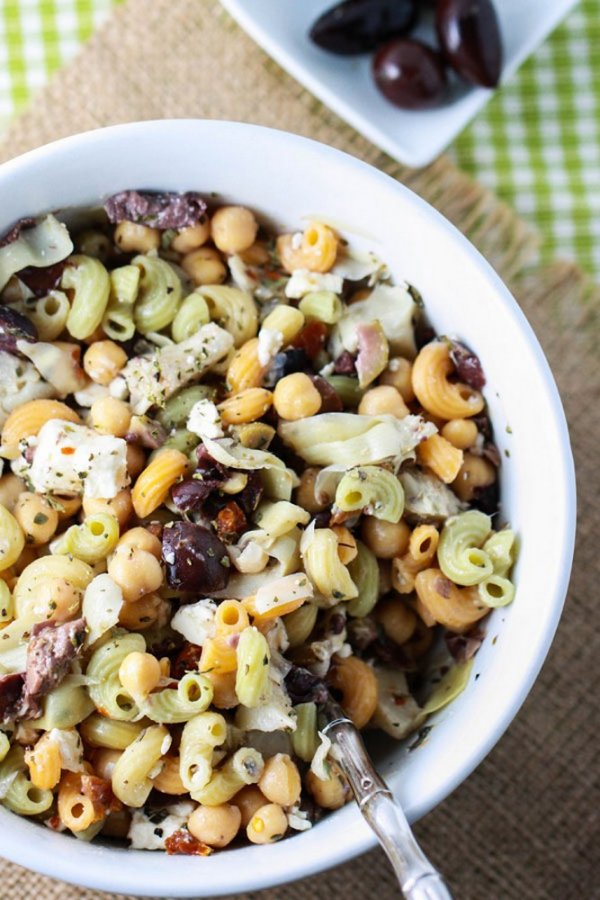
345,84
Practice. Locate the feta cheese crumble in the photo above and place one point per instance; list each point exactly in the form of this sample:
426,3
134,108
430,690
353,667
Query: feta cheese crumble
204,420
304,282
74,459
149,832
270,343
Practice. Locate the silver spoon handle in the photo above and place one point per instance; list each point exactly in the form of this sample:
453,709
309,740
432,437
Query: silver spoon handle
417,877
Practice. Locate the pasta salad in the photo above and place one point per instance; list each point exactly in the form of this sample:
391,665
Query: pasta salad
240,470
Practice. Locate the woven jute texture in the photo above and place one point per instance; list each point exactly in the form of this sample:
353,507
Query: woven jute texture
525,825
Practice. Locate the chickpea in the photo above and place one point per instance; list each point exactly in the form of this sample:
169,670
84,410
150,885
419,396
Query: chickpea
462,433
215,825
386,539
384,400
69,506
28,554
399,622
103,360
476,472
136,460
331,793
144,613
119,506
233,229
133,238
10,488
137,572
139,674
296,397
305,492
267,825
110,416
37,518
94,243
347,549
256,255
104,762
58,599
385,576
168,780
280,780
188,239
249,800
399,375
204,266
142,539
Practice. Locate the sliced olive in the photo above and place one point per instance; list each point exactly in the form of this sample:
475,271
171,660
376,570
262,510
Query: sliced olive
358,26
470,39
410,74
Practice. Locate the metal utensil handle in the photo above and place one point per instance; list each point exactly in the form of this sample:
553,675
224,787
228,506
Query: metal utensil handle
418,879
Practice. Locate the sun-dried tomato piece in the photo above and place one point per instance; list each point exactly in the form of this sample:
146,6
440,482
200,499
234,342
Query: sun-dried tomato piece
312,338
182,843
99,791
186,661
230,522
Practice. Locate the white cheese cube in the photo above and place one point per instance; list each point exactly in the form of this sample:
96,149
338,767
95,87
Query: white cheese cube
73,459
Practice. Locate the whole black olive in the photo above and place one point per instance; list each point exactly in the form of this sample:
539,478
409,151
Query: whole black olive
410,74
14,327
470,39
196,560
358,26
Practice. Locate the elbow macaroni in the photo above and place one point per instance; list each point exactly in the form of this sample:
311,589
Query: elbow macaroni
192,505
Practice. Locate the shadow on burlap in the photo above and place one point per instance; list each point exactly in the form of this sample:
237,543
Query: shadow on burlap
525,825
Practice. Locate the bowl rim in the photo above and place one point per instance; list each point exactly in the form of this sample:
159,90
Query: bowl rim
356,840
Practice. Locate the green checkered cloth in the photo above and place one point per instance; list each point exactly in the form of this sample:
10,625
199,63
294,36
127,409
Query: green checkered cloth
536,144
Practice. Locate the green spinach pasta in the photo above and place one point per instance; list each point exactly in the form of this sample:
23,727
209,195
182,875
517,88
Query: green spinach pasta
238,467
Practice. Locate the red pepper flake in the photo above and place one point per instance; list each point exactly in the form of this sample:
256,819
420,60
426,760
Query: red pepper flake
182,843
67,451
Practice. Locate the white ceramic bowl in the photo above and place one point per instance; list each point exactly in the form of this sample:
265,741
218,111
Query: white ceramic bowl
286,178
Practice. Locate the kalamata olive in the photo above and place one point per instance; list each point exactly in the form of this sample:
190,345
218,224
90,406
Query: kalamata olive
302,686
468,365
344,364
14,327
410,74
330,399
294,359
470,39
195,558
41,281
158,209
358,26
190,495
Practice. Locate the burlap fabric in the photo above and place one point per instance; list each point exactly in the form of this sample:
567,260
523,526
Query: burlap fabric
525,825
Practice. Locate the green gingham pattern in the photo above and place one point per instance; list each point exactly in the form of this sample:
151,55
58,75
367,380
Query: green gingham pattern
536,144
